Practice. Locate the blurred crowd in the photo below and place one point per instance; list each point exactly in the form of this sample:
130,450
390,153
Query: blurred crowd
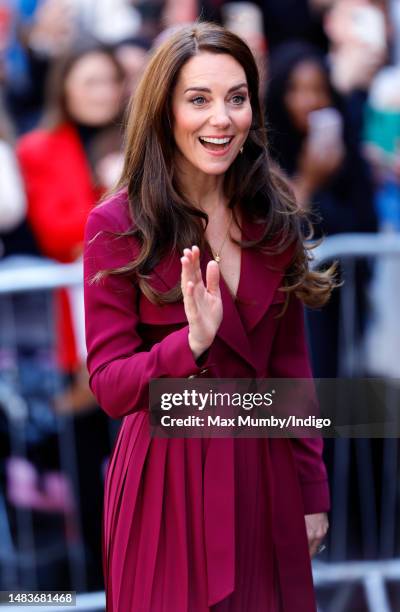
330,83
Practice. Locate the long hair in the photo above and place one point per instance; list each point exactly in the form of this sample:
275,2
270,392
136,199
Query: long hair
163,218
285,140
56,108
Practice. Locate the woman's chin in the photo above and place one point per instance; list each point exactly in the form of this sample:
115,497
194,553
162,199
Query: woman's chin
215,166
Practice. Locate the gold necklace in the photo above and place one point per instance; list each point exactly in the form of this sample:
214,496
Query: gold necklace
217,254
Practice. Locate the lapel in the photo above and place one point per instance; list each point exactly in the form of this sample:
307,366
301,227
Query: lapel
260,277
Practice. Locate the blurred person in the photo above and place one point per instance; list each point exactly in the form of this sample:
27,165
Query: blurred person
53,28
132,54
107,21
43,30
151,16
245,19
67,164
81,122
358,46
285,20
382,147
394,19
328,175
201,524
333,182
16,237
12,194
57,24
321,5
25,378
177,13
382,143
358,43
15,73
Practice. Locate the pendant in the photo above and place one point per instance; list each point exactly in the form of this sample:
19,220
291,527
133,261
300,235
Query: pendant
217,258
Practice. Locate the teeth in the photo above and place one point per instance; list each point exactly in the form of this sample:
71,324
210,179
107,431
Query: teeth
216,140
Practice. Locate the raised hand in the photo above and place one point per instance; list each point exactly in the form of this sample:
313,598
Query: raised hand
202,303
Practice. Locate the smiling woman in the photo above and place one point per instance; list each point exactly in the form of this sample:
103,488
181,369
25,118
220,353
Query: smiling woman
187,267
203,102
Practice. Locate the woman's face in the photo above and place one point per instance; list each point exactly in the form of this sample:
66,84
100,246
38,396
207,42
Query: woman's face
307,91
211,111
93,90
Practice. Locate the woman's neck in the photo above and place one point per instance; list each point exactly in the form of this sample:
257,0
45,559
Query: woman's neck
86,132
206,191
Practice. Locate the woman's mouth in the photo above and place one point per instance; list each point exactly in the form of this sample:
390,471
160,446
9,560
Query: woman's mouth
216,145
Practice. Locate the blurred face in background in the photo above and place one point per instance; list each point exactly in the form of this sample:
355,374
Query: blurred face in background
93,90
307,91
133,59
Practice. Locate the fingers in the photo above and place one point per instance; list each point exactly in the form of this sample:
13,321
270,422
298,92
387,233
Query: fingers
212,277
196,263
313,546
191,272
191,275
316,528
187,286
315,540
190,267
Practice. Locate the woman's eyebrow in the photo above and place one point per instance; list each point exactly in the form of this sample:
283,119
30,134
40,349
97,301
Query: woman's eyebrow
207,90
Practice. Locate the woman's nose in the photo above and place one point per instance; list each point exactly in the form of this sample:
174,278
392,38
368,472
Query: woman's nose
220,117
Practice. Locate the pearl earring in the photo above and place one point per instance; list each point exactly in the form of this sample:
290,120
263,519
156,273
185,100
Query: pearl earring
241,149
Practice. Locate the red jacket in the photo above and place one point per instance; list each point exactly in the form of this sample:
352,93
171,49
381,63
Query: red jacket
60,192
130,341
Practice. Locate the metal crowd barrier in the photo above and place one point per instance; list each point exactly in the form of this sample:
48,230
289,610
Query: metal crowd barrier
22,560
333,569
379,514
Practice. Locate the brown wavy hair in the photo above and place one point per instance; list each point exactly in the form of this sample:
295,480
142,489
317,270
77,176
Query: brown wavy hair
163,218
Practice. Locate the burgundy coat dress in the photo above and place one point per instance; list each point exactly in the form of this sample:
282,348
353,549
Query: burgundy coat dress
192,525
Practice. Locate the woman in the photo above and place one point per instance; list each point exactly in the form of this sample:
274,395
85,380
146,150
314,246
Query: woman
328,175
67,164
201,524
84,104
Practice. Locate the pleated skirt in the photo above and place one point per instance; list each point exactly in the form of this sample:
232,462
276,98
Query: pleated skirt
154,554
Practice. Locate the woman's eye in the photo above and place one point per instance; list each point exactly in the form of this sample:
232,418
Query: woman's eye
198,101
238,99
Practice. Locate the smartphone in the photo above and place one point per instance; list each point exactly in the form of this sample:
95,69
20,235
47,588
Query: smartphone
325,127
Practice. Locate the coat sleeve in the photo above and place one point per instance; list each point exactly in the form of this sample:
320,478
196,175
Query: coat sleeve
290,359
119,368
